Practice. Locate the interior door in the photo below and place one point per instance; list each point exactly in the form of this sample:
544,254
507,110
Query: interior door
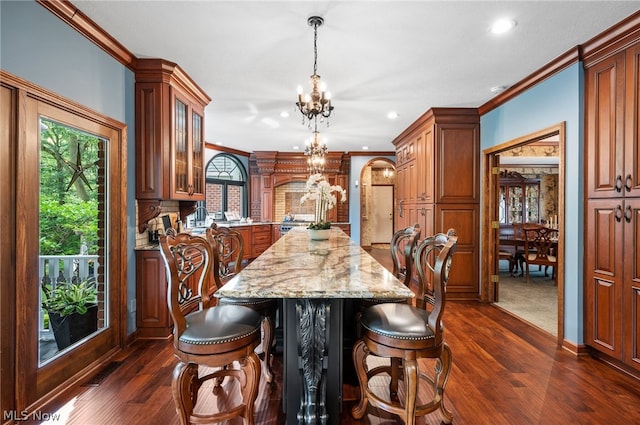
382,214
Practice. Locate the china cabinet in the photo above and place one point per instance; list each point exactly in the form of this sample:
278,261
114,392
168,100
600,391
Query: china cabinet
437,169
612,280
169,138
519,198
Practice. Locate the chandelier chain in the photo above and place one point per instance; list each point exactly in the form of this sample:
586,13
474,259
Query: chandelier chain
315,48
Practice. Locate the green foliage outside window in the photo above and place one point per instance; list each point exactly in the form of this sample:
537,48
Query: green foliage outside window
68,190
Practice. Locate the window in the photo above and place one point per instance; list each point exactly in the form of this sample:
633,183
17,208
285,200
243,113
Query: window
226,188
73,235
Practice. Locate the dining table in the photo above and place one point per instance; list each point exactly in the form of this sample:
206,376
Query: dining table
518,241
316,280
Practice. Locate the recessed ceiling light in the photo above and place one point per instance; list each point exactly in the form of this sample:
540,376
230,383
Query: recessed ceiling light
392,115
295,148
503,25
365,148
284,114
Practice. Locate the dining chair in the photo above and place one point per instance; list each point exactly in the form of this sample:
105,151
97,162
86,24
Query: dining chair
520,255
222,337
539,248
229,245
402,246
409,333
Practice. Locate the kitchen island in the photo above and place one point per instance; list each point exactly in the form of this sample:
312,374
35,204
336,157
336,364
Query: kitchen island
315,279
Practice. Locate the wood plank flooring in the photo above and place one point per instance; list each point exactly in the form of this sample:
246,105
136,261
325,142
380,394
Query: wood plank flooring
504,372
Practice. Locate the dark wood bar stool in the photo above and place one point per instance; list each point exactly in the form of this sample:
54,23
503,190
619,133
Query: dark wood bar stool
407,334
218,337
229,245
403,245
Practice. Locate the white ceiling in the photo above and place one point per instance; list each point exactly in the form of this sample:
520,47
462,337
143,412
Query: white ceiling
375,56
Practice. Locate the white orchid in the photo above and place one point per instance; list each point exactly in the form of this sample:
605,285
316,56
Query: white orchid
319,190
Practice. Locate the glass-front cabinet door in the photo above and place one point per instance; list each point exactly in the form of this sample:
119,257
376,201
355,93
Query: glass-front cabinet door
519,199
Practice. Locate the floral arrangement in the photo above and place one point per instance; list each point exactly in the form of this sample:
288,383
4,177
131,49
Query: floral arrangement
325,195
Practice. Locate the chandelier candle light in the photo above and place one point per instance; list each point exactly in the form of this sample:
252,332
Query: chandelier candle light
316,151
325,195
318,103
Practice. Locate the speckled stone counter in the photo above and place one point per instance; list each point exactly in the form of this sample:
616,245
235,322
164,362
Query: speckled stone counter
317,280
297,267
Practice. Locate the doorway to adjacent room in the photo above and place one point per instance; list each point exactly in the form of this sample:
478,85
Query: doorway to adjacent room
537,157
377,192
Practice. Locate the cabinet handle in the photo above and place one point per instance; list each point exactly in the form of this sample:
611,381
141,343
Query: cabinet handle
628,214
618,184
400,208
423,211
423,196
618,213
628,183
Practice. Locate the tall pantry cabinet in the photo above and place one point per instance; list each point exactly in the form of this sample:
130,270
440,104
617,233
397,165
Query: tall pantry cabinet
437,172
612,215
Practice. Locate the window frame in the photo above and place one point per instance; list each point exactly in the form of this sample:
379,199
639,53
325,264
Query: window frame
226,183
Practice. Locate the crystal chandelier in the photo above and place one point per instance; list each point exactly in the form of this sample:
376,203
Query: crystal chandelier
316,151
318,102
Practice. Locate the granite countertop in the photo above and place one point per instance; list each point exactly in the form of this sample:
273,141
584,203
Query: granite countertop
297,267
201,230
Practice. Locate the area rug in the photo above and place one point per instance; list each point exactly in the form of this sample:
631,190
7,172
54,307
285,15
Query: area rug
535,302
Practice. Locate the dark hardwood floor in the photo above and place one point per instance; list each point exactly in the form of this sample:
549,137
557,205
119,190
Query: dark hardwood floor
504,372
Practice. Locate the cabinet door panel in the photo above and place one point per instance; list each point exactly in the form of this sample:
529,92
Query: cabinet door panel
412,180
603,280
152,315
632,121
605,124
180,147
631,285
464,219
456,145
150,152
197,149
428,168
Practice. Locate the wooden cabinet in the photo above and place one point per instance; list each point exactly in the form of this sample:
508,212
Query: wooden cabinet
519,199
437,169
169,109
260,239
152,315
611,153
612,292
345,227
612,216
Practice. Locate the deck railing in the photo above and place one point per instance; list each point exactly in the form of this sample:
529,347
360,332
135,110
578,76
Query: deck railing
63,269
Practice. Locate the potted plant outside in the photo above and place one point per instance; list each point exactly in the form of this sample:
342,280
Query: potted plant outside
72,309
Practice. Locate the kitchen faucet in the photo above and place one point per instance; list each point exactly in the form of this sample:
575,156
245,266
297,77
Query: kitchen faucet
202,223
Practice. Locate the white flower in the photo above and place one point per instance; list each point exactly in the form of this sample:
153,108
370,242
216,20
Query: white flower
319,190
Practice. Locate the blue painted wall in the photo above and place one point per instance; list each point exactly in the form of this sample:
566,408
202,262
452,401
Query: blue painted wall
557,99
38,47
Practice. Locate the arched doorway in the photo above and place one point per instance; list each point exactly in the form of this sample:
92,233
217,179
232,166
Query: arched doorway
377,194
